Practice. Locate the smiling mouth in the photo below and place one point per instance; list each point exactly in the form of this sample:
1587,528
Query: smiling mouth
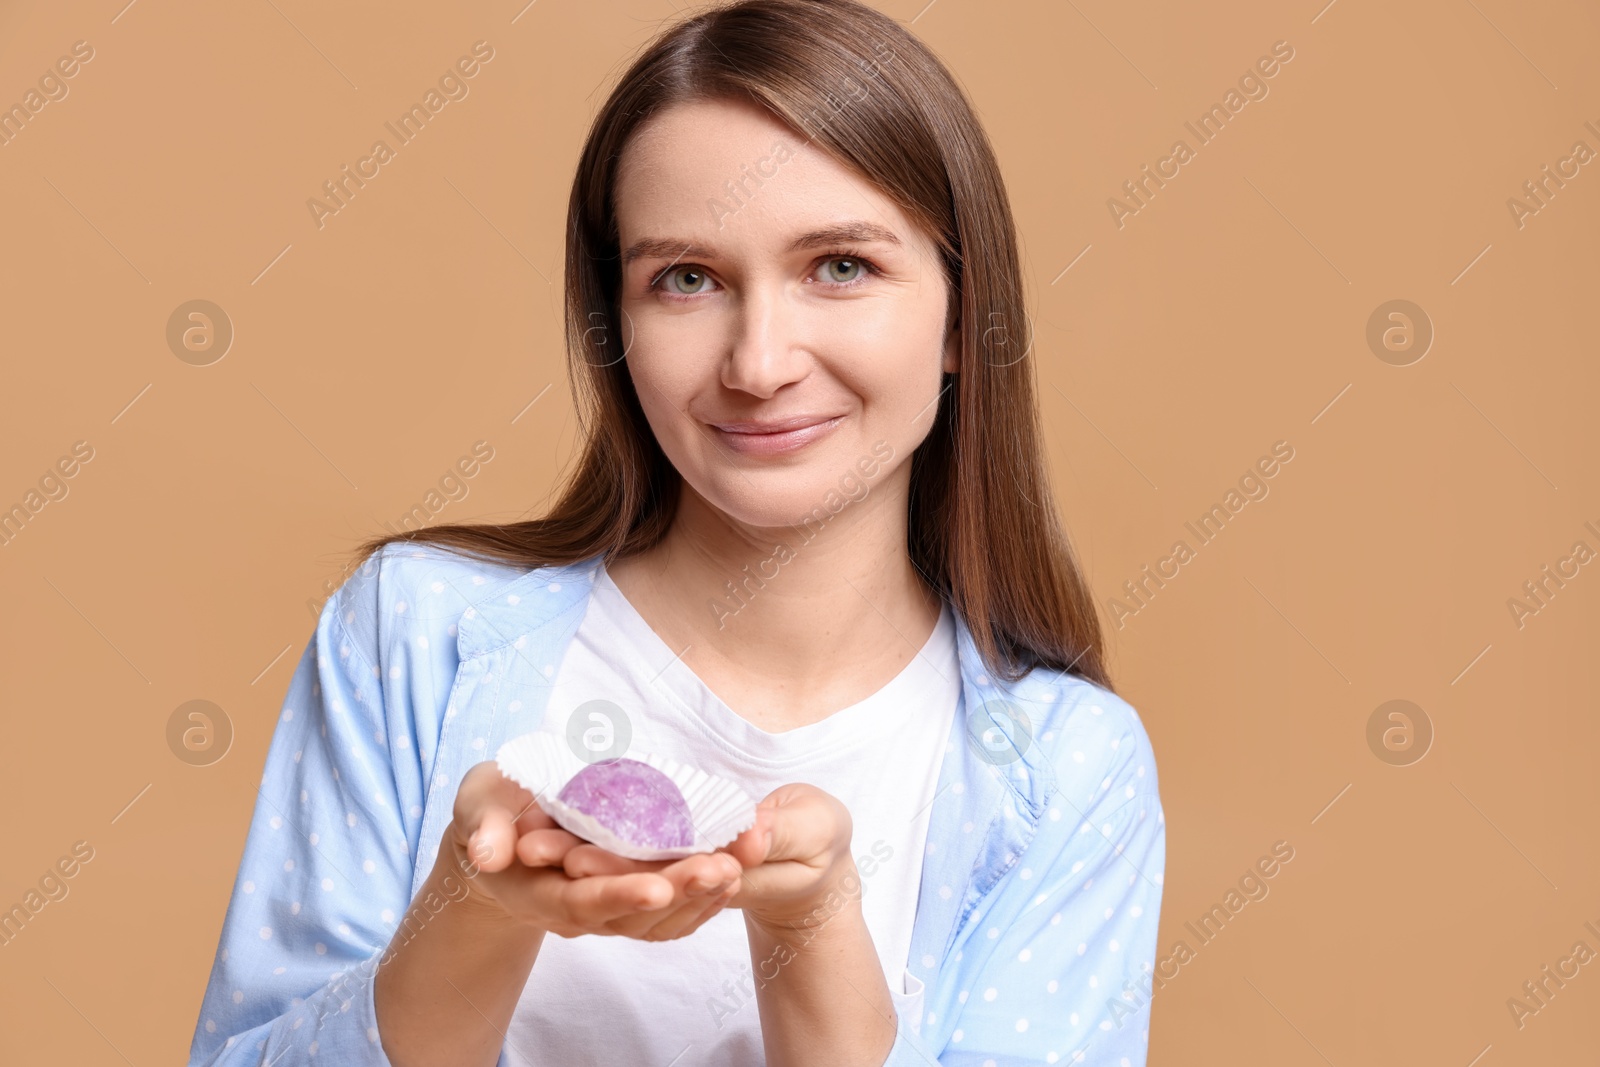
763,426
776,436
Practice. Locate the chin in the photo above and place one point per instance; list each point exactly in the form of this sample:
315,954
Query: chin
806,497
777,509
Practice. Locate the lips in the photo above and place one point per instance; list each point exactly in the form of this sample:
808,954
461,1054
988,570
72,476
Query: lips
764,426
775,437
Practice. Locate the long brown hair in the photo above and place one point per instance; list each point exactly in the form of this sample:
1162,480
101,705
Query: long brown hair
983,529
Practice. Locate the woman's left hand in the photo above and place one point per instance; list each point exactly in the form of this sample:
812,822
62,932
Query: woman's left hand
796,859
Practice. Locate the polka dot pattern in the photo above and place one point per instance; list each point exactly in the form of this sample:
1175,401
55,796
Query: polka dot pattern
1049,869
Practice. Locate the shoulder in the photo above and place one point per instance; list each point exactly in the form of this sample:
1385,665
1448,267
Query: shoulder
404,591
1089,745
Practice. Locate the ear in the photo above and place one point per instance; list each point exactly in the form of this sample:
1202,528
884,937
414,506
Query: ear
951,362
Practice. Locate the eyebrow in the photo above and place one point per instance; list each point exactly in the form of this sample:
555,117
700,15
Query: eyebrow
676,248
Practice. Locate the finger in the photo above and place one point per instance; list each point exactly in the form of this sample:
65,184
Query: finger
799,828
716,904
484,786
706,874
547,847
803,823
586,860
486,806
717,873
686,914
696,912
751,848
697,875
491,845
592,902
639,924
531,817
548,899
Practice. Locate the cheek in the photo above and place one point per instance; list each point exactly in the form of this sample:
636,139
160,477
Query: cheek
669,370
663,401
892,362
664,363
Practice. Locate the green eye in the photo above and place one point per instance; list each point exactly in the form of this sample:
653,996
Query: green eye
852,267
694,278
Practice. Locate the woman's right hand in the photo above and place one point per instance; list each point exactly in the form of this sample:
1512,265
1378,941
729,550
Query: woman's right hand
510,853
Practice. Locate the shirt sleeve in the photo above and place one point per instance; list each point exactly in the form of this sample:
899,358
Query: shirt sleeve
1057,965
326,868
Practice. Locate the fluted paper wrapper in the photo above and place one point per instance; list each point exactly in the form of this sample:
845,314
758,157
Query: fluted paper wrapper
541,762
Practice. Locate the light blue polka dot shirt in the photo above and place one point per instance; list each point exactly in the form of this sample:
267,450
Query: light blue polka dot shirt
1035,932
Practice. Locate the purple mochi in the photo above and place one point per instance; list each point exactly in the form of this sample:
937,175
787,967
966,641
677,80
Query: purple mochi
633,800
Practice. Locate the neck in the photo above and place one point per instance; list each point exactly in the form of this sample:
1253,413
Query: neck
788,605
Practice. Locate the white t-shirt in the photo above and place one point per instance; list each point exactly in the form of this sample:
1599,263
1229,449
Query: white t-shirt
614,999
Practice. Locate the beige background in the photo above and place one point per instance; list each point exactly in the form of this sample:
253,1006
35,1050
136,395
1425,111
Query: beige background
188,558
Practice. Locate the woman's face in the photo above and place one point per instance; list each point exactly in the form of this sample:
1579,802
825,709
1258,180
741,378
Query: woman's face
762,283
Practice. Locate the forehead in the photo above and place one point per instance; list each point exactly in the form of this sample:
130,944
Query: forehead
725,171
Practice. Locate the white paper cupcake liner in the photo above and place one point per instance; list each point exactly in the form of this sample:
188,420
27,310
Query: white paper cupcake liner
541,762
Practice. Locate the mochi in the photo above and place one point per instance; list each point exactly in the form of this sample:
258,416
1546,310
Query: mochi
633,800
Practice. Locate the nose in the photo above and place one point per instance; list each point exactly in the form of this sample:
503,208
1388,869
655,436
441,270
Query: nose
763,355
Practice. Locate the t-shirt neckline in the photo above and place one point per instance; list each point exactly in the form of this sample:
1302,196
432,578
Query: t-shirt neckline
869,720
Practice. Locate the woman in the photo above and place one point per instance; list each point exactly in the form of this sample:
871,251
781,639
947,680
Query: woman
810,546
